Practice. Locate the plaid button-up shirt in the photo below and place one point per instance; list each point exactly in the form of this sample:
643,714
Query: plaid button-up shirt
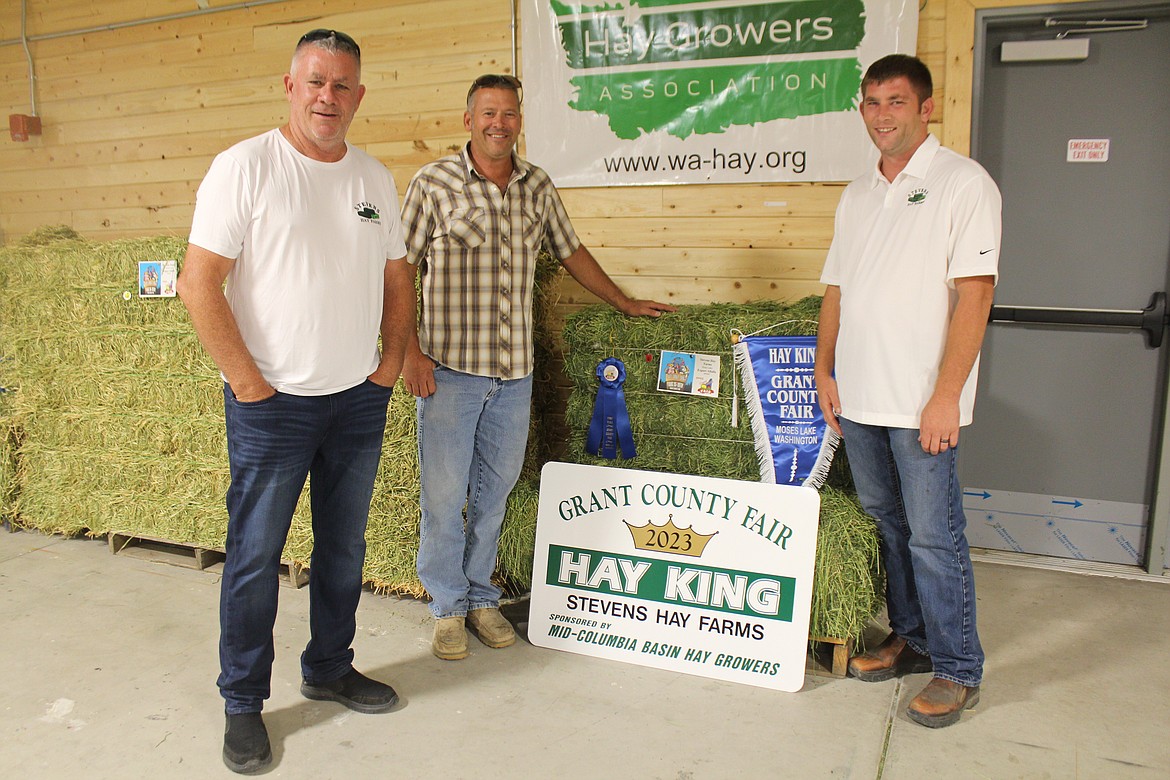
476,248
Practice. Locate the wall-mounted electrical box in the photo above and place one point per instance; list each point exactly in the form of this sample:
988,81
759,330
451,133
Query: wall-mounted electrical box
22,126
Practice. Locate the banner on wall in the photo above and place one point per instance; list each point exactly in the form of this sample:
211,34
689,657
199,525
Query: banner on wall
625,92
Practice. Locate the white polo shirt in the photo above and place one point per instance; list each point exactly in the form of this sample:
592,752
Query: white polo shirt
311,240
897,249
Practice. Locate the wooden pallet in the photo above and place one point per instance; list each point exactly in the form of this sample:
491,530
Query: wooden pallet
832,661
191,556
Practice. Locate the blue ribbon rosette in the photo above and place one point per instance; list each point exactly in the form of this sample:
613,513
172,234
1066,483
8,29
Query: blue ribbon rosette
610,426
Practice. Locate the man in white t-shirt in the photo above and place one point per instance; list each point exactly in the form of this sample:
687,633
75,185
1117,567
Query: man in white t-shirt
910,278
304,228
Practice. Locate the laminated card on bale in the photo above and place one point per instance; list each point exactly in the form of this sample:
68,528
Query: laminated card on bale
711,577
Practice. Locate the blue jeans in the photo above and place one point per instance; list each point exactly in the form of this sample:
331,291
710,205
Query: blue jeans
918,504
472,432
272,446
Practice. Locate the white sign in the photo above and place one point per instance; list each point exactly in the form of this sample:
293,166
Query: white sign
711,577
1085,150
622,92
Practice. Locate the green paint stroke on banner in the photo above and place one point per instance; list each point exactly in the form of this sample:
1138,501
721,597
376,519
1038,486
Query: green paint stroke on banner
745,593
617,38
686,101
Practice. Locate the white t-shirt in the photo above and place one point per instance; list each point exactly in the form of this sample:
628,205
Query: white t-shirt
310,241
897,249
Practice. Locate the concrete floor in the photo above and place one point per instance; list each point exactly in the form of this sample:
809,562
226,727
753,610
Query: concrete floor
112,661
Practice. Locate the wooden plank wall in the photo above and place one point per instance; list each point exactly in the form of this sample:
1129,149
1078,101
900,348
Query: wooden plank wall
133,115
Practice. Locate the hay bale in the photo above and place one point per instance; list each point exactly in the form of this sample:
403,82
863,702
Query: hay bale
546,372
115,419
690,435
672,432
518,536
847,582
110,395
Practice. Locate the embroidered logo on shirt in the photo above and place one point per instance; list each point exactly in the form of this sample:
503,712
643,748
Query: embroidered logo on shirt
916,197
367,212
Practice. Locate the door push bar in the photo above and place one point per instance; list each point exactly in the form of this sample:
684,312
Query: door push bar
1153,319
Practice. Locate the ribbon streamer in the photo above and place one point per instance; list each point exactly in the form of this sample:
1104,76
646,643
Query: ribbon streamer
610,427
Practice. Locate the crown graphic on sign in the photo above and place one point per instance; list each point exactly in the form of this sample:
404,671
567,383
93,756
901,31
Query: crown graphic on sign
669,538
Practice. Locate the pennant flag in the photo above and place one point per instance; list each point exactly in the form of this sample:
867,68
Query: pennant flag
793,443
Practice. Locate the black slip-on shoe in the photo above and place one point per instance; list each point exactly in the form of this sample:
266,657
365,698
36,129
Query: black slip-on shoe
245,743
355,691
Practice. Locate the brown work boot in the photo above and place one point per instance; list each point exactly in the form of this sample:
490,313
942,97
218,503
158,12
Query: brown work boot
891,658
941,703
492,628
450,640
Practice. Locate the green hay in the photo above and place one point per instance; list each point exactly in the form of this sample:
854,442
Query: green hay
545,373
687,435
115,419
119,408
518,536
598,329
847,584
48,234
674,432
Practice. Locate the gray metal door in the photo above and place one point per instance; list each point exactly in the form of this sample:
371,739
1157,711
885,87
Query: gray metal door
1063,457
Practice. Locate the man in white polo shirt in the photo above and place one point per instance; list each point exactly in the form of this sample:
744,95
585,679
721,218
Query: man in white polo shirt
910,278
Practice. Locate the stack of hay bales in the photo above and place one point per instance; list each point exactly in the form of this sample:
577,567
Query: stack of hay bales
113,419
693,435
111,395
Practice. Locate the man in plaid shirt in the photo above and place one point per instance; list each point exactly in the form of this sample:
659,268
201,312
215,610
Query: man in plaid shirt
475,222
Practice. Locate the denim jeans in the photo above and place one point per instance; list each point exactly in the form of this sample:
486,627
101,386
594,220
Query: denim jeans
273,445
472,432
918,504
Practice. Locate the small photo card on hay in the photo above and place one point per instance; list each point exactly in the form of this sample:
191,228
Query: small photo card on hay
689,373
156,278
704,576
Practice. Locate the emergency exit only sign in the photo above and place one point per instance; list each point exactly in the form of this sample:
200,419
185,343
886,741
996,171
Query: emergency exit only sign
1083,150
